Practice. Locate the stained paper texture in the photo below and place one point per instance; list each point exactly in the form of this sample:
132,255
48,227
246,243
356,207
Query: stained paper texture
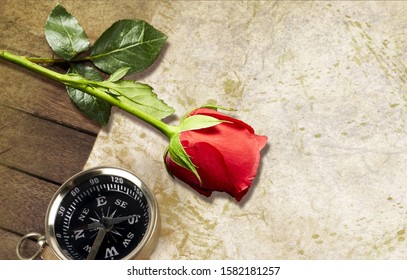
327,83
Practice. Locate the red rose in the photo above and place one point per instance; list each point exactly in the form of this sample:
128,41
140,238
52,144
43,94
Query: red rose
226,155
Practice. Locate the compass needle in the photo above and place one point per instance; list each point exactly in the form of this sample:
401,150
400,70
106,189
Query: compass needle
96,244
118,220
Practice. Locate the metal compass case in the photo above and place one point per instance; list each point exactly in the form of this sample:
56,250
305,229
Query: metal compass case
103,213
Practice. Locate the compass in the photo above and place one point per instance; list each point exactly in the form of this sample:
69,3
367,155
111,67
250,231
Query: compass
103,213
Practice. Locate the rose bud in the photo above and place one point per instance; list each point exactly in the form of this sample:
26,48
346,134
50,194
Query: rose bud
215,152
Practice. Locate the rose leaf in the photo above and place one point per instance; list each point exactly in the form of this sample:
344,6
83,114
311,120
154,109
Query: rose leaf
64,34
142,96
127,43
93,107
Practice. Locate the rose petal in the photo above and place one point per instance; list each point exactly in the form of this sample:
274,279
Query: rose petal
261,140
238,149
185,175
226,156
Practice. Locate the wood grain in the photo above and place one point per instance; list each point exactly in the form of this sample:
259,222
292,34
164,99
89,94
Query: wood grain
44,139
33,94
36,156
26,91
8,243
41,147
23,201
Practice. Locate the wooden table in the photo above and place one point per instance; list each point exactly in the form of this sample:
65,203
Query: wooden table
44,139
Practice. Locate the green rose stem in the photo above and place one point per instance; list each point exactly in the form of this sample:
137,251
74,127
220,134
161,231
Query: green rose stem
91,87
45,60
54,60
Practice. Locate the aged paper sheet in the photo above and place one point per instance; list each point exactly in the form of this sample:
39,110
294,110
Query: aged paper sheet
326,82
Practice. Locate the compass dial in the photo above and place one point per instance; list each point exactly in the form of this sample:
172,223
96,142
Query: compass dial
103,213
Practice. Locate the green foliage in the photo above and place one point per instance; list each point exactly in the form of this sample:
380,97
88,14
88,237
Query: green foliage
64,34
175,148
120,73
128,46
95,108
127,43
142,96
198,122
180,157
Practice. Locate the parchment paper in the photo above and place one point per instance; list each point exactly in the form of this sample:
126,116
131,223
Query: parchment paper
326,82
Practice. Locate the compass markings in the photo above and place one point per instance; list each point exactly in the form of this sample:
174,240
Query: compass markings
97,215
132,193
112,215
105,206
108,210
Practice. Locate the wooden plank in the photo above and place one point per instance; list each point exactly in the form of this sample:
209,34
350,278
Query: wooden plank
41,147
23,205
35,115
23,201
31,93
9,241
8,245
33,145
22,89
22,32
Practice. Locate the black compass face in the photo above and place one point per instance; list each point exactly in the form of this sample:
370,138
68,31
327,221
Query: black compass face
101,217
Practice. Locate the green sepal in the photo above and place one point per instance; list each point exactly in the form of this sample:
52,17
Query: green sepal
196,122
208,106
216,107
180,157
175,148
